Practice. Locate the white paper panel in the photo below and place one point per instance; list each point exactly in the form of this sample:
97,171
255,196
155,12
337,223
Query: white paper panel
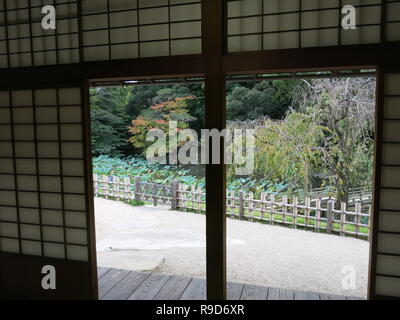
392,108
50,184
26,166
53,234
390,177
70,114
77,253
50,217
9,229
49,167
389,221
9,245
388,286
54,250
391,154
392,84
7,182
29,215
389,243
51,200
27,183
8,214
31,248
75,219
389,265
6,166
390,199
391,132
73,167
76,236
30,232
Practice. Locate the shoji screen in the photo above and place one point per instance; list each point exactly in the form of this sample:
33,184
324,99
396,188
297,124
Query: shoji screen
103,29
23,41
45,202
387,226
120,29
255,25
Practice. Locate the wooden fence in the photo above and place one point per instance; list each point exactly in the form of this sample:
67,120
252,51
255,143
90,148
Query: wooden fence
316,214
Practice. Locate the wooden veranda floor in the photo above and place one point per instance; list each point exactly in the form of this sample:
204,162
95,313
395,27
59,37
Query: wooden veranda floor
115,284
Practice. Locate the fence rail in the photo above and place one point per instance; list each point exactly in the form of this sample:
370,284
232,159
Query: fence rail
315,214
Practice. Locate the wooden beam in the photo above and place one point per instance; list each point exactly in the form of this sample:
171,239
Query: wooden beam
313,59
163,67
213,50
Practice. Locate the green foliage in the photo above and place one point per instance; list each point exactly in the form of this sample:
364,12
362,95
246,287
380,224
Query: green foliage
148,172
252,100
159,117
109,129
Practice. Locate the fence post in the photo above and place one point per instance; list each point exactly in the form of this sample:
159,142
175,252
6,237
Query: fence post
95,185
193,197
241,205
369,222
343,208
137,188
251,205
262,207
284,208
127,182
318,215
155,198
199,203
174,201
272,213
294,211
357,218
184,196
116,188
329,216
105,187
307,202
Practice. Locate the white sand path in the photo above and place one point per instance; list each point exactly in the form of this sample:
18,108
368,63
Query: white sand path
171,242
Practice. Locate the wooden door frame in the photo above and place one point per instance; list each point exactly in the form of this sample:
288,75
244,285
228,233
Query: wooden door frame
215,63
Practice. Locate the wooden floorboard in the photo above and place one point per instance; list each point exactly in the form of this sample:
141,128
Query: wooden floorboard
196,290
302,295
150,287
115,284
234,291
109,280
173,288
251,292
101,271
280,294
127,286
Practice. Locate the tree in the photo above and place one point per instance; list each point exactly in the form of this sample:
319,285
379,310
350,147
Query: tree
345,110
252,100
158,116
109,121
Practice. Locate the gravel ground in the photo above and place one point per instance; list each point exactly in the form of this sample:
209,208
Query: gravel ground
158,239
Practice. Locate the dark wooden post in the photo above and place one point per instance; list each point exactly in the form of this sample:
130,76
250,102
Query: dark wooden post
174,201
137,188
155,202
241,205
213,35
329,216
